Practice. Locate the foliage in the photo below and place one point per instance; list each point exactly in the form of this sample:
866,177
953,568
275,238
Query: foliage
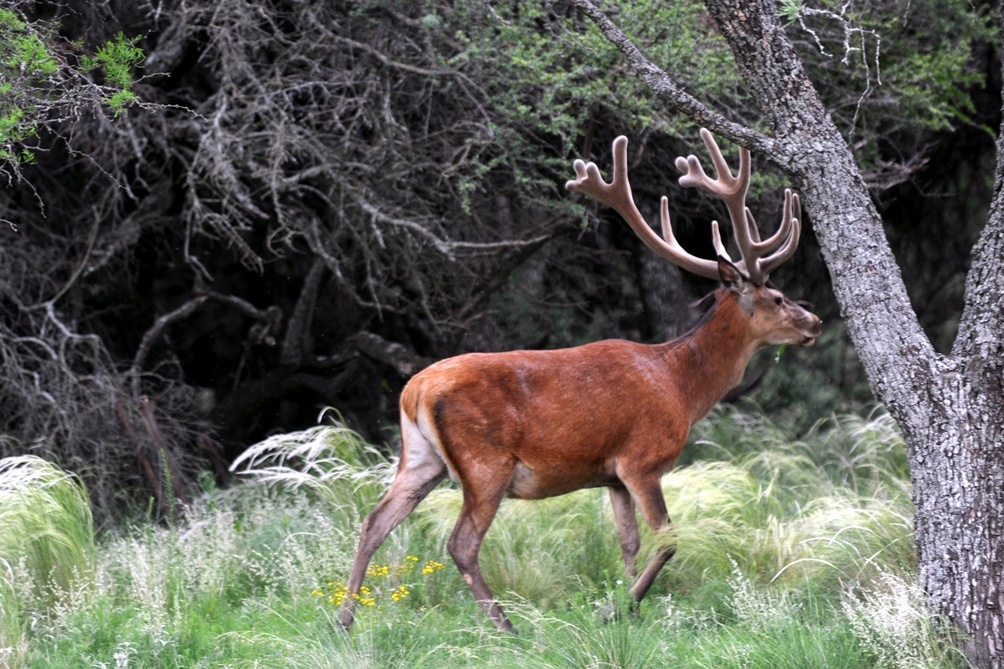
882,66
117,58
40,89
560,76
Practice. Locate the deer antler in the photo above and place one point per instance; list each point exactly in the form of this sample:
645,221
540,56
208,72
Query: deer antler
758,257
617,194
732,191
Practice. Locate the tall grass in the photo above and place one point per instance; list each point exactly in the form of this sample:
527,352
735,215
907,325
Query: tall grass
13,644
331,461
46,545
790,552
824,511
48,532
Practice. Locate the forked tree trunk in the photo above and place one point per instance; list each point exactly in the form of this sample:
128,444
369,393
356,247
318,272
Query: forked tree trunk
951,408
957,457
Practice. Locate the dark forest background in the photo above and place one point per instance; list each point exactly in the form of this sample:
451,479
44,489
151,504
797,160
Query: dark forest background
309,201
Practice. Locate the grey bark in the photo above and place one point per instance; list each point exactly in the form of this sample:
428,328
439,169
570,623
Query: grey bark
951,408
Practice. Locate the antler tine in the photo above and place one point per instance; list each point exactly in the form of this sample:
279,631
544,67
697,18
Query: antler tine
617,194
716,241
761,248
732,191
667,232
726,187
793,220
754,230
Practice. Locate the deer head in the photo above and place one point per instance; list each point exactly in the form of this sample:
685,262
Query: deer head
775,319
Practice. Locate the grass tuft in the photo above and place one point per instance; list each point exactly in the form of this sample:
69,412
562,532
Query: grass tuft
894,627
331,461
48,532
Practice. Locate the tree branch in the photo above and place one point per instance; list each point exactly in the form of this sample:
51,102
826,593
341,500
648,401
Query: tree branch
270,317
980,338
391,353
668,91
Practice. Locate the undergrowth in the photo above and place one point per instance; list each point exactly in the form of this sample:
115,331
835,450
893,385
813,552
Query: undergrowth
790,552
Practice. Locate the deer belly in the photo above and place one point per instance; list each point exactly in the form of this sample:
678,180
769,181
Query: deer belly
531,483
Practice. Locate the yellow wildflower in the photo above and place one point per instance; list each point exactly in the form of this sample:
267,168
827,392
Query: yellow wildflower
335,592
376,570
431,567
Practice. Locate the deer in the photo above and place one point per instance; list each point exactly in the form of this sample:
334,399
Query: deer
540,423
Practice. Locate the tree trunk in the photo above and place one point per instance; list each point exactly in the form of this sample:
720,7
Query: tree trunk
957,471
951,408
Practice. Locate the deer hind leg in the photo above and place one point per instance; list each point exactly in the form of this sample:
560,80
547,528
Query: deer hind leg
419,472
648,495
627,528
476,516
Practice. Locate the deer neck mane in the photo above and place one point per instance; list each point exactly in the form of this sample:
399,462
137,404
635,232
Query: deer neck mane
711,358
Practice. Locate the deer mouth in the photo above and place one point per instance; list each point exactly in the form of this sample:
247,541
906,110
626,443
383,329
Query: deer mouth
809,338
809,334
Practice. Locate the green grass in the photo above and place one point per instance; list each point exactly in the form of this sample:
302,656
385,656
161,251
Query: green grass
47,527
791,552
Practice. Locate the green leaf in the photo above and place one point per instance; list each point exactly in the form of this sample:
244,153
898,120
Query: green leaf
780,350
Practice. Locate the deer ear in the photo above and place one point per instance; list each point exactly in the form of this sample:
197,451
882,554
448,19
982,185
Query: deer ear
738,283
731,276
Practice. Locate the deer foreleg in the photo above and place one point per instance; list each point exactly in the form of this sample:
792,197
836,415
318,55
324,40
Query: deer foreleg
653,508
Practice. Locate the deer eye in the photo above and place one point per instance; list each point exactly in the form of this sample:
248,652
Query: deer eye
778,301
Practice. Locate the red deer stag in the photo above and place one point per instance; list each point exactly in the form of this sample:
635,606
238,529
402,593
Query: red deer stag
535,424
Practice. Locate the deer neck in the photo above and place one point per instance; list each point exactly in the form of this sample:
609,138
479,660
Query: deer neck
710,360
